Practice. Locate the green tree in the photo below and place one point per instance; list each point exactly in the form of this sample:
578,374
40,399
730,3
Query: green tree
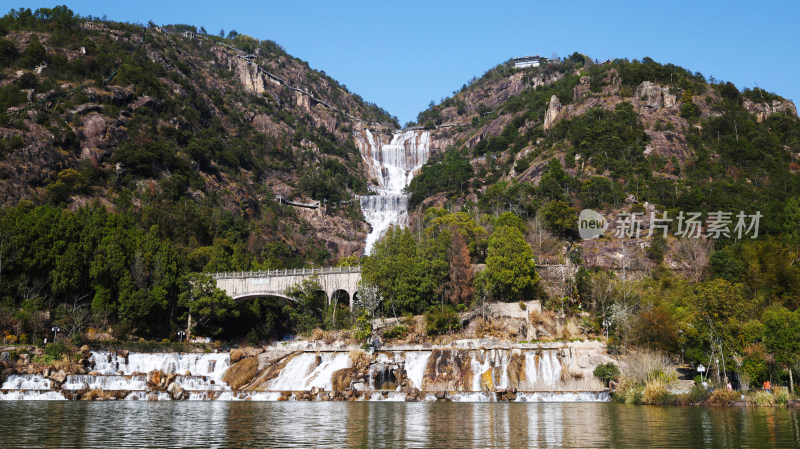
782,336
596,192
408,275
510,270
722,310
475,236
33,55
560,217
8,53
207,306
307,311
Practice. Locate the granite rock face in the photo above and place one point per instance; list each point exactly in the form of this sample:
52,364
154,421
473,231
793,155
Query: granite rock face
551,115
764,110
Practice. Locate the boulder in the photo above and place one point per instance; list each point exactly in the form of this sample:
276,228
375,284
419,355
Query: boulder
176,391
236,355
59,377
156,380
148,101
92,395
240,373
252,352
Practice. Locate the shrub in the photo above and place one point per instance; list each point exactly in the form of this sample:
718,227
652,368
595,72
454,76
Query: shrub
28,81
628,392
760,398
607,372
252,338
698,394
656,393
689,111
633,394
319,334
8,52
396,333
781,395
363,327
722,396
441,320
55,350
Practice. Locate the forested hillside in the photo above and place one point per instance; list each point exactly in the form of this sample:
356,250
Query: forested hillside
133,155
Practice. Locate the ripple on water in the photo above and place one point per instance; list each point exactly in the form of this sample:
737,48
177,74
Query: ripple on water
139,424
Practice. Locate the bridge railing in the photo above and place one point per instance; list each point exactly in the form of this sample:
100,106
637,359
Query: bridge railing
286,272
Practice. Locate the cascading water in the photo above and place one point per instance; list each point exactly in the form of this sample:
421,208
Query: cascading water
392,165
459,374
198,374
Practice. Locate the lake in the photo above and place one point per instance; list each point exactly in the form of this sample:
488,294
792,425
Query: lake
138,424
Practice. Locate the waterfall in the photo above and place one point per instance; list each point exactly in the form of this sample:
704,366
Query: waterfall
307,371
457,374
211,366
392,165
415,364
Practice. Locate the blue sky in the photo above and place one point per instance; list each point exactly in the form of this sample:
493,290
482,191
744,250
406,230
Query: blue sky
402,55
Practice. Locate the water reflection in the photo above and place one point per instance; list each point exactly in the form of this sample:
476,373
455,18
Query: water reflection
385,424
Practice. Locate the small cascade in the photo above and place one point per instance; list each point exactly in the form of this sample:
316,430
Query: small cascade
26,382
211,365
543,371
105,382
309,370
27,387
415,365
392,164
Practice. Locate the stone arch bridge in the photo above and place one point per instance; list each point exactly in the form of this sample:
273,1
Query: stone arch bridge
242,285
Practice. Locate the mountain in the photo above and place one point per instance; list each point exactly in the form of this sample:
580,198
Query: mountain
182,126
611,136
133,158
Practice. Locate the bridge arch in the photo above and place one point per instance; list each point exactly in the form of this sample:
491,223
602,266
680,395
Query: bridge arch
252,284
265,294
341,296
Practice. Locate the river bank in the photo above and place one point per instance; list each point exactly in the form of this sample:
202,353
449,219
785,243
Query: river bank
469,370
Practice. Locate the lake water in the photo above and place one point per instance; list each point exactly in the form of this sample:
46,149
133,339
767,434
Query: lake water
136,424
